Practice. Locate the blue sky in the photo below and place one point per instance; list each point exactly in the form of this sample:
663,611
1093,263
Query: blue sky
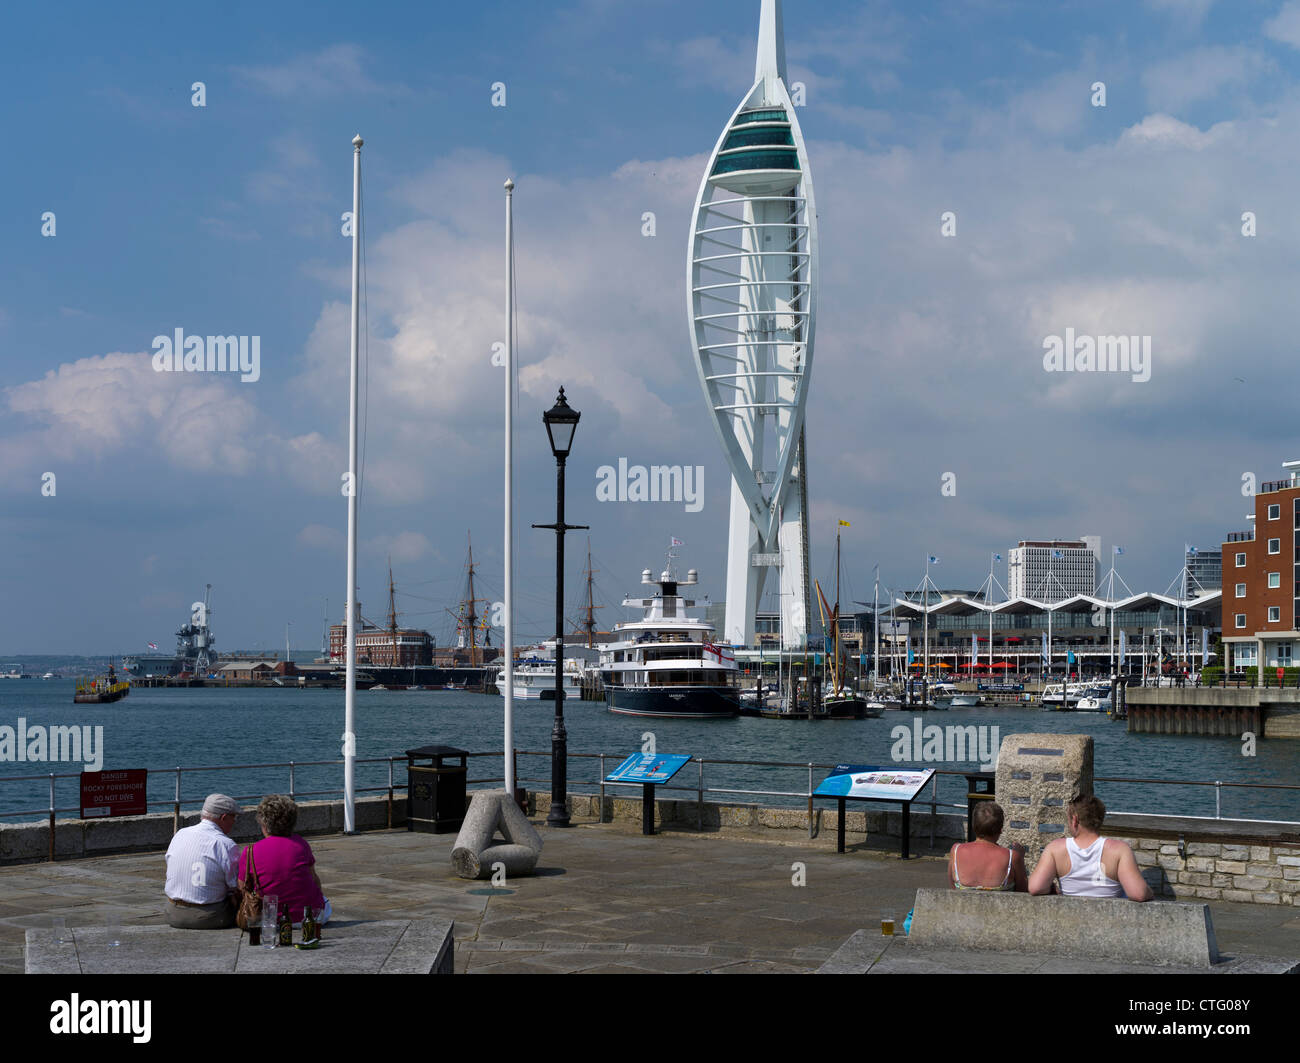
225,219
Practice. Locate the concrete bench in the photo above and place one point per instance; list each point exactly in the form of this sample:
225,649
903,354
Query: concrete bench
960,931
1120,931
387,946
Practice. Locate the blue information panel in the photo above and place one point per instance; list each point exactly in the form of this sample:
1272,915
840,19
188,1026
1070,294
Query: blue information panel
648,767
869,782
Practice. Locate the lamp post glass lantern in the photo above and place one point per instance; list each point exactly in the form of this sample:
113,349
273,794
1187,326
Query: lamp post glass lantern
561,422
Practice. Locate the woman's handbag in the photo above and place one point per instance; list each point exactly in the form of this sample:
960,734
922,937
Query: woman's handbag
250,896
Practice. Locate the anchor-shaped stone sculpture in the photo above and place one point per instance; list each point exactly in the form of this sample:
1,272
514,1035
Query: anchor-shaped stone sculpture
476,849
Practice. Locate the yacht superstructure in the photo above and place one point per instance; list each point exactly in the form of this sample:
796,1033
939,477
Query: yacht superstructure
666,663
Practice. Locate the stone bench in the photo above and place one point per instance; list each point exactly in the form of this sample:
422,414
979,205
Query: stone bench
1121,931
960,931
386,946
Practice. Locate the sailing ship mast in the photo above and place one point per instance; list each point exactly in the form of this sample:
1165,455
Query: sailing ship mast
392,614
833,615
836,671
589,624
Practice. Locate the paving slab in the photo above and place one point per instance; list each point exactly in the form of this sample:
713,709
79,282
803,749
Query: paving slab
604,886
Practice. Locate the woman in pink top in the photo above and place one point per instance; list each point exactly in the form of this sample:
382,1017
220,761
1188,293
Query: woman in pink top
283,862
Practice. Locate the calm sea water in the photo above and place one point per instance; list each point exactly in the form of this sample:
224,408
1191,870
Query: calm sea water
198,728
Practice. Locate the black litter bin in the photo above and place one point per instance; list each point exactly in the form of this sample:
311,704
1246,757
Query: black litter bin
435,791
980,786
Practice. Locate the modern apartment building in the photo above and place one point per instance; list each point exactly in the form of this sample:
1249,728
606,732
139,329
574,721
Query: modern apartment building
1261,580
1204,570
1051,570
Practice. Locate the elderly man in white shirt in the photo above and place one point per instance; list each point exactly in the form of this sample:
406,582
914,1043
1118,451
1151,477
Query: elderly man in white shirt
201,869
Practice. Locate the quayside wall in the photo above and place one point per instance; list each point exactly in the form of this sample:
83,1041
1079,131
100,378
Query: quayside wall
1267,711
1184,858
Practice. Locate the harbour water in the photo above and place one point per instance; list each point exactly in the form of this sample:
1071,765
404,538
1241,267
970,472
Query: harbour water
192,728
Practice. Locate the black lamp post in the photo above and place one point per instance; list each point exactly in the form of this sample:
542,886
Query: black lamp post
561,422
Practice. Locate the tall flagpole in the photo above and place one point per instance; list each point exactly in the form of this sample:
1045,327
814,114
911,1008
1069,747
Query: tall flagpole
875,627
509,648
989,602
350,685
925,601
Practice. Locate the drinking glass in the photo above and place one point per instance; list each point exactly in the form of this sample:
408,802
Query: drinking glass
59,924
887,925
270,913
113,931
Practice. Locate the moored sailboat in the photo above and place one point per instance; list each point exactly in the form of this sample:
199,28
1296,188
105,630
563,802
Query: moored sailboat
840,702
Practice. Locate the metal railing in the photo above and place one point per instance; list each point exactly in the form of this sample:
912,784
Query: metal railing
599,785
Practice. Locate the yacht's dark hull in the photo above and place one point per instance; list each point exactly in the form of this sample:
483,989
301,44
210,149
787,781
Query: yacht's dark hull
845,707
677,702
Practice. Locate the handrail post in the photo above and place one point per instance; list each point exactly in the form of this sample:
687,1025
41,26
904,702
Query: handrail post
934,797
390,793
176,802
1218,807
810,801
699,806
51,817
602,789
291,780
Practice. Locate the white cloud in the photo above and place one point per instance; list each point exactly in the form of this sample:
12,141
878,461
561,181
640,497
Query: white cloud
336,70
1201,74
1191,11
320,537
1285,25
1166,131
404,547
103,406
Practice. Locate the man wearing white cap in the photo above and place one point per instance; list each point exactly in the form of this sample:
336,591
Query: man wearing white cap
201,869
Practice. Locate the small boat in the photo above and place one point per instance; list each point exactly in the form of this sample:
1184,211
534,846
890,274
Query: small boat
965,701
48,675
840,703
534,676
1061,696
1095,699
102,690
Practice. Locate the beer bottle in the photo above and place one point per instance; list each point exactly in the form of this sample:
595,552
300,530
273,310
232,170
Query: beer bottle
284,927
309,932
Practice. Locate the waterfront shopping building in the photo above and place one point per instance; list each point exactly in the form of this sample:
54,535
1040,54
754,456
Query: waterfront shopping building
1261,579
1025,638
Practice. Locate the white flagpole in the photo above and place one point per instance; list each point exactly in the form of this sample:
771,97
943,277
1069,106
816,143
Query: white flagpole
509,649
989,602
350,683
875,627
925,601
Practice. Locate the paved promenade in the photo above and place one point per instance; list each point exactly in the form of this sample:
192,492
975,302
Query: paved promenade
606,899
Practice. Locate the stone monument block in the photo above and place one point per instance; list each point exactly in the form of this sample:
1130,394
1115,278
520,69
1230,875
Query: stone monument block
1037,775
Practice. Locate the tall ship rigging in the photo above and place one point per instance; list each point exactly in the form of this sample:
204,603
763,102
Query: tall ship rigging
840,702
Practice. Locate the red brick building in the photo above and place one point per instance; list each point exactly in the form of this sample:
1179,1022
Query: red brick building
375,645
1261,580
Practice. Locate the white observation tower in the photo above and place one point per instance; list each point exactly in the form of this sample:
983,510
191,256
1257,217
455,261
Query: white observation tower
752,298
